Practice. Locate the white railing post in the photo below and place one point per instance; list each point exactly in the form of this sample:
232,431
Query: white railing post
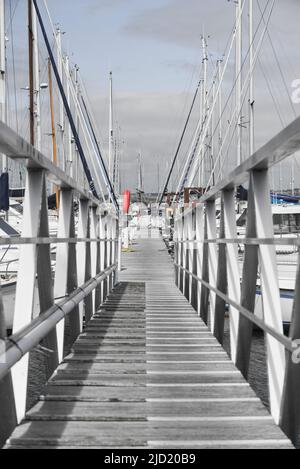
221,281
26,283
249,286
290,412
45,284
176,248
66,267
195,247
233,272
191,235
88,302
82,253
109,252
181,253
95,255
200,232
188,264
105,253
204,294
270,289
212,257
115,237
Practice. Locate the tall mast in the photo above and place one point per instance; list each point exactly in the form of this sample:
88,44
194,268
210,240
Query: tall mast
220,118
36,78
111,127
239,79
201,88
77,90
251,89
3,74
54,144
158,176
212,145
140,173
69,132
61,104
31,67
204,104
117,161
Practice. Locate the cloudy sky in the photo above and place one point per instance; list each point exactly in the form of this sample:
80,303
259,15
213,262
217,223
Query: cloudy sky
154,50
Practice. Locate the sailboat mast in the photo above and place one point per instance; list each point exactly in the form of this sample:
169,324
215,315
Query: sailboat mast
201,88
31,67
111,128
69,133
212,145
3,75
77,90
54,144
52,113
61,104
204,105
239,79
36,78
220,118
251,89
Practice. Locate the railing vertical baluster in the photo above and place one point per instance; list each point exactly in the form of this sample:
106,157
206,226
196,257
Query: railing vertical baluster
115,250
66,279
88,302
8,419
249,286
181,262
200,232
26,282
105,253
290,413
82,248
233,271
204,299
212,257
194,283
191,251
98,262
270,289
221,283
176,247
109,252
45,284
95,255
187,265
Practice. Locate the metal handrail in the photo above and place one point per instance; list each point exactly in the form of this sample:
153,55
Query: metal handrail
18,345
246,241
286,342
46,241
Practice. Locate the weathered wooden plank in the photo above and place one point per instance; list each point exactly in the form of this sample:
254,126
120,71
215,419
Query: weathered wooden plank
100,394
139,433
89,412
190,366
106,357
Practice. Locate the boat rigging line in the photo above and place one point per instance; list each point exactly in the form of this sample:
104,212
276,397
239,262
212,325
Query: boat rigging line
179,146
66,105
245,88
97,168
111,189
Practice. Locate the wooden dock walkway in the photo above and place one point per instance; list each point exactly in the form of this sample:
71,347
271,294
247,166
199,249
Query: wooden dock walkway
147,373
